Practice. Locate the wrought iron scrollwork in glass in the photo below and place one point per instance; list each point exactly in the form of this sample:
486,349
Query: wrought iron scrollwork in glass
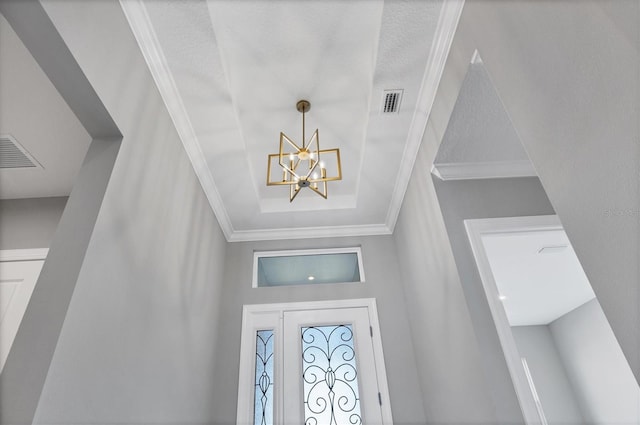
263,394
329,375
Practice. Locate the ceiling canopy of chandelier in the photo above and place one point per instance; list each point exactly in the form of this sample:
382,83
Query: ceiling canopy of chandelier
303,166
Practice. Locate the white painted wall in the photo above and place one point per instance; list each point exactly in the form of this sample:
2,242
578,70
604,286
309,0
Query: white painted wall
536,344
383,283
604,384
29,223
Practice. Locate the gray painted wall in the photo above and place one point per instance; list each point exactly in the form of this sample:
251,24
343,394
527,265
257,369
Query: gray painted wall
463,376
604,384
454,388
147,293
461,200
25,370
383,283
29,223
543,58
567,74
536,344
138,342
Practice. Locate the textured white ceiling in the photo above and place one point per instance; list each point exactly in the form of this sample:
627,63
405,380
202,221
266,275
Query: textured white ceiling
479,129
232,72
539,287
34,113
286,51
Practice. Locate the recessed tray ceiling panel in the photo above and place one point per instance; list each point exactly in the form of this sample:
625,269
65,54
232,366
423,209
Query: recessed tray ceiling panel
231,73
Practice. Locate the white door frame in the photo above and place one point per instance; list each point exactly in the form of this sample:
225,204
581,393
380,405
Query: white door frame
23,254
30,264
476,228
273,312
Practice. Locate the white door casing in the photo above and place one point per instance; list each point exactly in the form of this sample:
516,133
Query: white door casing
287,321
19,271
476,228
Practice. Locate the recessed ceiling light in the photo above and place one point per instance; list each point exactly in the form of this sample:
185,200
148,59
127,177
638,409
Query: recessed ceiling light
502,297
311,278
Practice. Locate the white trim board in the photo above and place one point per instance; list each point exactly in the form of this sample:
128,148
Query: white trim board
140,23
483,170
19,269
475,230
24,254
309,233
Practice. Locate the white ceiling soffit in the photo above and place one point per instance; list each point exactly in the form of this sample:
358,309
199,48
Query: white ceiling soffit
230,74
538,274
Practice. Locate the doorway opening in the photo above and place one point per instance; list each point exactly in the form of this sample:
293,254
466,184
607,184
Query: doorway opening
564,360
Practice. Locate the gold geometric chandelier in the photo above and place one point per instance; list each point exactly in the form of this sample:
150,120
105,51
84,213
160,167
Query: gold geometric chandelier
306,165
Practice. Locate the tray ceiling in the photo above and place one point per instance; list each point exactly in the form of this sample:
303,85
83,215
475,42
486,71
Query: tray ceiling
231,73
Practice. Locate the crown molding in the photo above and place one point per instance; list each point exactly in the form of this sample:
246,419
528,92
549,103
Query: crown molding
309,233
483,170
140,23
445,32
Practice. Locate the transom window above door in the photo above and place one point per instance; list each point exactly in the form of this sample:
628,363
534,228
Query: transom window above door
307,267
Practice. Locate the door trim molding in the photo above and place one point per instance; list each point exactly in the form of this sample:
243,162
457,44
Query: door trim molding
251,310
476,228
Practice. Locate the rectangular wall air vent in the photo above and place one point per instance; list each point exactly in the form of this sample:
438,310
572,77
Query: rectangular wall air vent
391,101
13,155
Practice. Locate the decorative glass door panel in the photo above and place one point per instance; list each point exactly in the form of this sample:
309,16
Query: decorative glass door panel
263,395
329,376
312,363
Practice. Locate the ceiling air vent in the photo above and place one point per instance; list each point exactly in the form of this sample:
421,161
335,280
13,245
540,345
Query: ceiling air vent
391,101
13,155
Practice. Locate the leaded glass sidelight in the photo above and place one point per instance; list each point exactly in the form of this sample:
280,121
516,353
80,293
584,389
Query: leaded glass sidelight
329,374
263,393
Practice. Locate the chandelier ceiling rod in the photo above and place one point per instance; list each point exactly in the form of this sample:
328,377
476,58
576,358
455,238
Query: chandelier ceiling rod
303,106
